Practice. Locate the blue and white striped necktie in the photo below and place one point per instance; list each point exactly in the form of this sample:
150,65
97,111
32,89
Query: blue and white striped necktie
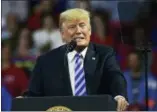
80,84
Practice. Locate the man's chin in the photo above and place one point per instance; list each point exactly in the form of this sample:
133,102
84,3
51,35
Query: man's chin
82,44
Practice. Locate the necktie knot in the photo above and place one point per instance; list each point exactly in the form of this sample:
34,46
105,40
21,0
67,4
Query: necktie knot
78,55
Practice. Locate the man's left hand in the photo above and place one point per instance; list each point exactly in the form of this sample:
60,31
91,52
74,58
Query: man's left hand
122,104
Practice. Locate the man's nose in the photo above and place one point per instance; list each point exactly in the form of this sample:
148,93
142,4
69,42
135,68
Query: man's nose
78,30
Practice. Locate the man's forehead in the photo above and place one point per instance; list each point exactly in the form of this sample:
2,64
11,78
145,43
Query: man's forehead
75,21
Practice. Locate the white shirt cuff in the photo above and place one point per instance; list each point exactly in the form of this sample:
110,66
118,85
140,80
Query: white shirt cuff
118,96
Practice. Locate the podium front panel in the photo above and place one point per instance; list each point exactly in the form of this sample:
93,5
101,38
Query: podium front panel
87,103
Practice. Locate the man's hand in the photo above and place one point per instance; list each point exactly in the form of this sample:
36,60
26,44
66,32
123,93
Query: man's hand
122,104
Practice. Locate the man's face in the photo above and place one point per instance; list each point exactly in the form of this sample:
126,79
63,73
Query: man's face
76,29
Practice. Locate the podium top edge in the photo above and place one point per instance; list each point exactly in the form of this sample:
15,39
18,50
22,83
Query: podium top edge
89,96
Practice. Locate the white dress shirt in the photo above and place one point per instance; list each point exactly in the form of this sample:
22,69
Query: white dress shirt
71,64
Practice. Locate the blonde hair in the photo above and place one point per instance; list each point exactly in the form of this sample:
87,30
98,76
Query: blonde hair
73,14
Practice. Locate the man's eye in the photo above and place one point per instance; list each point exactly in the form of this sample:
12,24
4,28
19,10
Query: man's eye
82,25
72,27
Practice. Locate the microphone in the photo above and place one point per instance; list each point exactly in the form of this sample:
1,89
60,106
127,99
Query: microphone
71,46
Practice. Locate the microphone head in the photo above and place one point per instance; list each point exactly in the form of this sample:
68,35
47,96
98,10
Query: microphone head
71,46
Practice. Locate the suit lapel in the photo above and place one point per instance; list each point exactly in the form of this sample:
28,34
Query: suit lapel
65,72
90,64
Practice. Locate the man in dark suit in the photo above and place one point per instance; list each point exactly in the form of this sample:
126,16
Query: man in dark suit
89,69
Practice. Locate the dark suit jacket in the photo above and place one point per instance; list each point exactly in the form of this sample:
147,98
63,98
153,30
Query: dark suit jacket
103,75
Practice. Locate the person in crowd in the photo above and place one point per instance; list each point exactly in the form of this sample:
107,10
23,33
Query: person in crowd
153,66
11,28
25,54
135,78
83,4
54,7
13,78
111,6
101,31
49,33
41,7
63,73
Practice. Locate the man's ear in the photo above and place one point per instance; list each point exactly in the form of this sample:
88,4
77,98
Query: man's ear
90,29
62,34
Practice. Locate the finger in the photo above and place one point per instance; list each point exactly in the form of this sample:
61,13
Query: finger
119,105
118,109
124,105
127,104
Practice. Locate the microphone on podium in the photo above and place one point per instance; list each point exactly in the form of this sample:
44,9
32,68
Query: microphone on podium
71,46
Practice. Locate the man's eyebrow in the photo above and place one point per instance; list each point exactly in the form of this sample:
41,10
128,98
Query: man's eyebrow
82,23
71,25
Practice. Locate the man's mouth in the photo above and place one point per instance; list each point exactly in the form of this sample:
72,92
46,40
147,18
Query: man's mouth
78,38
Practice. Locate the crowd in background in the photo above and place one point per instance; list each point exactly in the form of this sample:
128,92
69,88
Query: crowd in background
30,28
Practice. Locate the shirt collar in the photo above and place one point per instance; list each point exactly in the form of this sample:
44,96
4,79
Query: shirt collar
72,54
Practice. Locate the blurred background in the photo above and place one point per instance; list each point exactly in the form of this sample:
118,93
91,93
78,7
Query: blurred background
30,28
